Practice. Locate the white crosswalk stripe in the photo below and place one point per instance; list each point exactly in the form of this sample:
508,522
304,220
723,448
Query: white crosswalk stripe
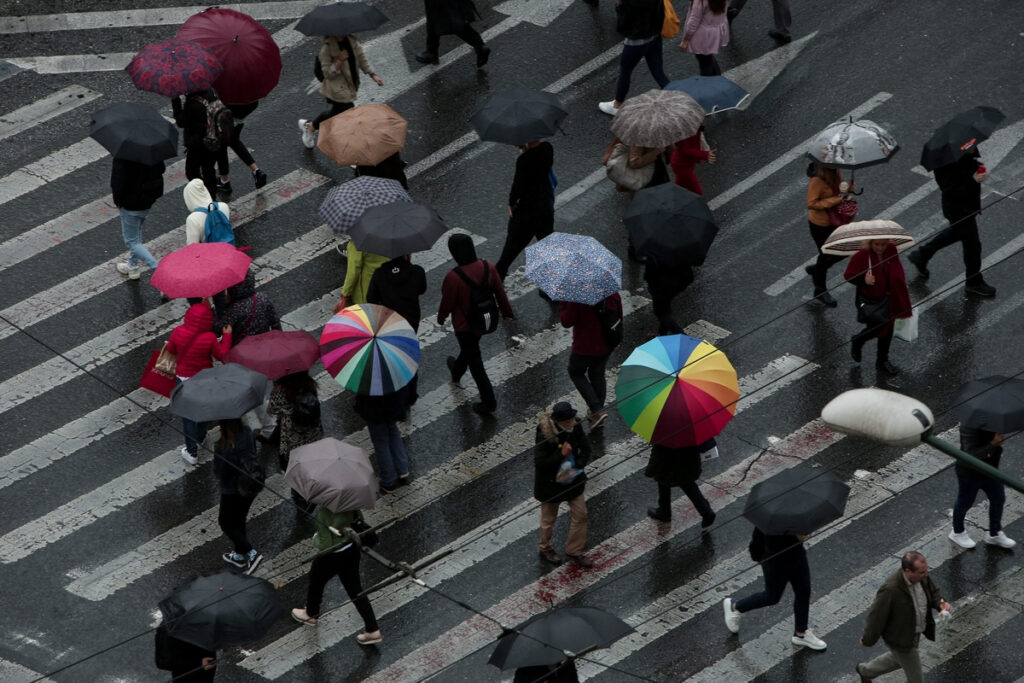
48,108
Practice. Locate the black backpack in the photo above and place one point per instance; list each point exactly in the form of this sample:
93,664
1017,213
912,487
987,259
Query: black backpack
220,123
318,68
611,324
306,410
483,307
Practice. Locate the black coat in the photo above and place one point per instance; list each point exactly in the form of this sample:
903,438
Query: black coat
184,660
450,16
961,193
190,116
531,185
227,461
674,466
666,282
249,312
978,442
382,409
639,19
392,168
547,458
565,673
398,284
136,186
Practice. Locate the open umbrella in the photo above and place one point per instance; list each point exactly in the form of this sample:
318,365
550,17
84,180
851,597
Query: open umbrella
134,132
551,637
657,118
573,268
363,136
222,610
224,392
671,225
276,353
852,144
518,116
847,239
174,67
994,404
959,135
796,501
199,270
340,19
714,93
345,203
370,349
677,391
334,474
248,53
397,228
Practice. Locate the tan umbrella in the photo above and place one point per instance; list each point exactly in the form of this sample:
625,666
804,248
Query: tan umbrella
846,239
657,118
363,136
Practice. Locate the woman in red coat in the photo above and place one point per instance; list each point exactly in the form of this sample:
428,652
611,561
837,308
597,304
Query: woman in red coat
877,272
685,157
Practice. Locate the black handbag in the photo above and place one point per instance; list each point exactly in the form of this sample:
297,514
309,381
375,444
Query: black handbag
872,311
360,526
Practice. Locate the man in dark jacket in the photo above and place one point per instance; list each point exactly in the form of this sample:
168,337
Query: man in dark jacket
640,21
190,116
666,282
399,284
559,457
531,208
590,352
985,446
901,612
447,17
135,187
679,467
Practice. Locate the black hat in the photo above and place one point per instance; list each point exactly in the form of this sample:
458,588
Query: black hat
562,411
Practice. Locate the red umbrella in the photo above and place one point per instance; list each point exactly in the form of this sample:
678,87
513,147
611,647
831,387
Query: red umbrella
251,58
174,67
276,353
200,269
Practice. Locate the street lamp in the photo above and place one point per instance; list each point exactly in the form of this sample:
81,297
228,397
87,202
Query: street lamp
898,420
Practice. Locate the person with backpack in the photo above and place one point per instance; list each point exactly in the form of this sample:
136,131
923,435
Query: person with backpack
207,220
206,126
596,332
135,187
240,474
259,178
472,294
382,414
531,206
294,402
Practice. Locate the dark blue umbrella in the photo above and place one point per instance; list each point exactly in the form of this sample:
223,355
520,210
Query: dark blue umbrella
714,93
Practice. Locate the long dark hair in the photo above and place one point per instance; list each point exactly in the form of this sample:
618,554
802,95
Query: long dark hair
297,383
717,6
229,429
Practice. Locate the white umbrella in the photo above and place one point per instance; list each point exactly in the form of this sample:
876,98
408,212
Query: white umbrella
852,144
846,239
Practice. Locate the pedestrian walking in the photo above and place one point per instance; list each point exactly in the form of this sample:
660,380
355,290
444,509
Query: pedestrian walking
337,557
531,206
341,60
392,168
187,663
637,158
135,188
561,453
823,193
359,269
199,203
591,349
399,284
783,560
882,296
464,289
452,17
987,447
665,282
960,185
679,467
900,614
686,154
640,21
193,117
382,414
295,404
259,177
705,31
235,445
780,16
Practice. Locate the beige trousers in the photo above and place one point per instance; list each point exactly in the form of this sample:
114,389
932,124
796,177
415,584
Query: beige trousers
577,525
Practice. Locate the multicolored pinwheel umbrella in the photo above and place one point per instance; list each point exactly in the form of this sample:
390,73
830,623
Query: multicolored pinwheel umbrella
370,349
677,391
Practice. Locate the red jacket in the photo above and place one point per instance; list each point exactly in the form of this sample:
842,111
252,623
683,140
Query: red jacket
889,280
455,295
194,341
587,337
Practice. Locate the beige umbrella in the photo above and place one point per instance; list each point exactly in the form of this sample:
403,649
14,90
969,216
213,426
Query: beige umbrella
363,136
657,118
846,239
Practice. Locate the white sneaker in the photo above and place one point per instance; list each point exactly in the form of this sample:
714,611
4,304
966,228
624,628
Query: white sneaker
1000,539
808,639
608,107
188,457
732,617
308,136
962,539
125,269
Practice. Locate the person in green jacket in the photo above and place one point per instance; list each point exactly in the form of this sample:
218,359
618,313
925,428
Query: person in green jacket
359,270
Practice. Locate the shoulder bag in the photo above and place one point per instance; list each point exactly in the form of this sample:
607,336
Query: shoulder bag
620,173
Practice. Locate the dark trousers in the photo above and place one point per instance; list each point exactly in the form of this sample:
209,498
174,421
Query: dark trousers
344,565
234,508
240,149
661,306
820,233
202,163
468,34
587,374
195,432
469,357
521,229
884,342
336,108
692,491
776,576
780,13
965,232
708,65
969,483
631,56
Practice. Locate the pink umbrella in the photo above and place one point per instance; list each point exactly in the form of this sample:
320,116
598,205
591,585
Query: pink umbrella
199,270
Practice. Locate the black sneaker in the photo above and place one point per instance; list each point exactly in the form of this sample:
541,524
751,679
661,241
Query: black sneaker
484,409
920,263
855,349
888,368
811,269
427,58
824,297
404,479
224,186
981,289
259,178
482,55
780,37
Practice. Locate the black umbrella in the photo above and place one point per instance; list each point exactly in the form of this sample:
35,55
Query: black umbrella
222,610
221,393
796,501
518,116
957,137
671,225
554,636
397,228
994,404
134,132
340,19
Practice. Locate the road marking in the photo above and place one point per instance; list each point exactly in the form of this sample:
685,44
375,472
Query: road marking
41,111
50,168
754,76
16,673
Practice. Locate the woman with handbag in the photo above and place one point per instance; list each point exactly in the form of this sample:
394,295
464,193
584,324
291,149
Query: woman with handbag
882,296
823,196
633,168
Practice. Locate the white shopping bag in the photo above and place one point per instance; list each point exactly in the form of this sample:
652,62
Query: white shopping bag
906,328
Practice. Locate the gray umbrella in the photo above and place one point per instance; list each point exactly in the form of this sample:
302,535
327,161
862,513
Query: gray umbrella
334,474
657,118
345,203
221,393
852,144
397,229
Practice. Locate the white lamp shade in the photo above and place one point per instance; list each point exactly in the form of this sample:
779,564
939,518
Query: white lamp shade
880,415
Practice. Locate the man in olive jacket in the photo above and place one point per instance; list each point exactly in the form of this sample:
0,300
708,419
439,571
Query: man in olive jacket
901,612
561,452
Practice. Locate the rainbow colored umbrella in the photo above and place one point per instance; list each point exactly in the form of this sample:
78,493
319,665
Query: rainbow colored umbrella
677,391
370,349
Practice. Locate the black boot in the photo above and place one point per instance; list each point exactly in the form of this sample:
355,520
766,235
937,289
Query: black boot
427,58
659,513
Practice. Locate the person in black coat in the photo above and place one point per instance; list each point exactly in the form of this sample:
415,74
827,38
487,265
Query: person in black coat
247,311
259,178
665,282
236,442
531,209
556,673
135,187
187,663
393,168
382,414
190,116
559,457
445,17
398,284
679,467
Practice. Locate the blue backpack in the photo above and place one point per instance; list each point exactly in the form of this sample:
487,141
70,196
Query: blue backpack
217,227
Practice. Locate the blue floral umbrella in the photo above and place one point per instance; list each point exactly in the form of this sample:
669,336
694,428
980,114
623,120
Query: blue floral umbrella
573,268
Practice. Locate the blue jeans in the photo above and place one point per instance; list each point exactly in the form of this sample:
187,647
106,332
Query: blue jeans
776,576
131,229
390,451
631,56
195,432
968,485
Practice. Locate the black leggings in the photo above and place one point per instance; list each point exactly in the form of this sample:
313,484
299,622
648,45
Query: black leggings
344,565
231,517
820,233
336,108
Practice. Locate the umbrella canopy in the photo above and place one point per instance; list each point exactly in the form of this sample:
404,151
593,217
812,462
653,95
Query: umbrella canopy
960,135
200,269
246,50
518,116
224,392
847,239
657,118
994,404
397,228
345,203
222,610
796,501
677,391
370,349
547,638
340,19
134,132
852,144
174,67
363,136
334,474
573,268
671,225
713,93
276,353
